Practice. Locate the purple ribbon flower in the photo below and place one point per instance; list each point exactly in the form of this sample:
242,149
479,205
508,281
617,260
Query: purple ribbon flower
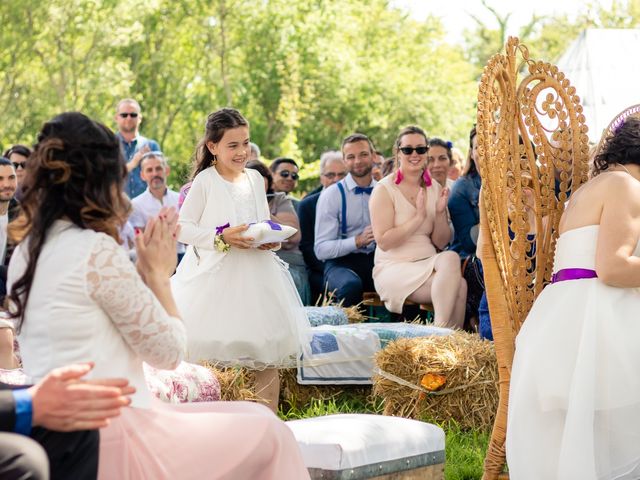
220,229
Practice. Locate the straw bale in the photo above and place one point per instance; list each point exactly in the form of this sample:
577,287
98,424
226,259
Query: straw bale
239,384
235,383
468,364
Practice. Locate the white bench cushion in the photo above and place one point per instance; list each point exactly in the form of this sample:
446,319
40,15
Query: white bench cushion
351,441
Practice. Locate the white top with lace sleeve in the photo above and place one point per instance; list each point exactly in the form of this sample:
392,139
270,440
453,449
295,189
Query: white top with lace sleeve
88,303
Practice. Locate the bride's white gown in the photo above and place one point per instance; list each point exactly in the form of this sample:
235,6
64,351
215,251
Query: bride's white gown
574,402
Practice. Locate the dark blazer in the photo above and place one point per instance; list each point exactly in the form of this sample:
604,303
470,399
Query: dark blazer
7,408
14,211
307,218
71,454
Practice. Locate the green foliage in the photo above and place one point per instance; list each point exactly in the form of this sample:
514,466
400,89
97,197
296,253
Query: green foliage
465,452
305,73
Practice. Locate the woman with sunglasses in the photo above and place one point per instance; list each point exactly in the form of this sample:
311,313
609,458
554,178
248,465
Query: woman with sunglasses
410,223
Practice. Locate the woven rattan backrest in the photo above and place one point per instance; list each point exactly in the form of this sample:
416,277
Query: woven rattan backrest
533,149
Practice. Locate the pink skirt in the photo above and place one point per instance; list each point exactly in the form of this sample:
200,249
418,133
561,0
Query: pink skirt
212,440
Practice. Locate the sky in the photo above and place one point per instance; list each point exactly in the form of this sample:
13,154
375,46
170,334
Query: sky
455,13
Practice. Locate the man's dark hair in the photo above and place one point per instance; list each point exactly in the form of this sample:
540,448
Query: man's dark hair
358,137
274,165
19,149
5,161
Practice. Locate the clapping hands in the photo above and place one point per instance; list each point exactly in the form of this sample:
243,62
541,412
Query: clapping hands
443,200
156,247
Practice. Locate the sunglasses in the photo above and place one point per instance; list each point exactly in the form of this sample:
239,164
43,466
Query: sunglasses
332,175
17,165
129,114
410,150
287,173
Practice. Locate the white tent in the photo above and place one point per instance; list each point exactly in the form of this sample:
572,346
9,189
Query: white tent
604,66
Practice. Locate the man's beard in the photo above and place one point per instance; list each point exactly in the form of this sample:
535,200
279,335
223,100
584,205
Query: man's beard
363,173
6,197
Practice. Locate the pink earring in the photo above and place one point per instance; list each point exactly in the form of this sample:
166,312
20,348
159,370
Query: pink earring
426,177
399,177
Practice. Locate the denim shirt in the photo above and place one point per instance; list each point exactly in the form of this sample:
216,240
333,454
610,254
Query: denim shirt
465,212
134,185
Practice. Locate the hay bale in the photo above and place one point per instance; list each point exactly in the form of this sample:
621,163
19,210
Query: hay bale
239,384
235,383
294,395
469,394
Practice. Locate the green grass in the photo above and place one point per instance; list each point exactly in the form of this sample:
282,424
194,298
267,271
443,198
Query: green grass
465,449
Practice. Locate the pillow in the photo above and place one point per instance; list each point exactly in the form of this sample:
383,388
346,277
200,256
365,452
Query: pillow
268,232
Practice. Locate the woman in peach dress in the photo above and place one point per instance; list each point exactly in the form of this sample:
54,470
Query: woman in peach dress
410,222
79,298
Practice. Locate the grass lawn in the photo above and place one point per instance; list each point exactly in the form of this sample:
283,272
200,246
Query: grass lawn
465,450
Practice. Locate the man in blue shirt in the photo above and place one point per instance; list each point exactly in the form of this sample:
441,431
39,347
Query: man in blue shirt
55,422
134,145
344,238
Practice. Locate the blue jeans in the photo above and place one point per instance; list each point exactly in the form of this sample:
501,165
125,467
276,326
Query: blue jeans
349,276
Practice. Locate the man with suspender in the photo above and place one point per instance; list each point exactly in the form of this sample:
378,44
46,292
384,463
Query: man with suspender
344,239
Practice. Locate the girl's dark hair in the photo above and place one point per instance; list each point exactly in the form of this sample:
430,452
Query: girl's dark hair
471,168
76,172
264,171
217,123
623,147
438,142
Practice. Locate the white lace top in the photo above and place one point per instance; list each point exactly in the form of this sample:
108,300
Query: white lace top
88,303
243,201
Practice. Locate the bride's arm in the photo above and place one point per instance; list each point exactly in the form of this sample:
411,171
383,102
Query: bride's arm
616,264
157,337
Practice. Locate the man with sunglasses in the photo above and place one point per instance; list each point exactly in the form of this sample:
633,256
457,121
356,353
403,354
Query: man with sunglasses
344,238
134,145
285,177
18,156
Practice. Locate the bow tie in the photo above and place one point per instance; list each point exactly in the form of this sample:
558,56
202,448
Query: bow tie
361,190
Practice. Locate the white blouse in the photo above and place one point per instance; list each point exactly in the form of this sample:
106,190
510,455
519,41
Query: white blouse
88,303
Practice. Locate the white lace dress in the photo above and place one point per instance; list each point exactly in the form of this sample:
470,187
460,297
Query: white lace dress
87,303
239,307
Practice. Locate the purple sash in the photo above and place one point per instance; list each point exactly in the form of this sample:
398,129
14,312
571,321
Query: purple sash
572,274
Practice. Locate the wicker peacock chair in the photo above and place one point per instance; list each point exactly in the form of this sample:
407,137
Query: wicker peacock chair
533,150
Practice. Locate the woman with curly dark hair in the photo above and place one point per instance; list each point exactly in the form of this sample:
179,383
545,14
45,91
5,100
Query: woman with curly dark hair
574,402
78,298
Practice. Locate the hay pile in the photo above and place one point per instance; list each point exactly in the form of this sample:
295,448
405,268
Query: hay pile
239,384
464,364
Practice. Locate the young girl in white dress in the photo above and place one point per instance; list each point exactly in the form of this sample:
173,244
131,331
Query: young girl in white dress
574,400
239,302
79,298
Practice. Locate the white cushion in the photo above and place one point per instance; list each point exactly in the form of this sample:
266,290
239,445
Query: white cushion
268,232
337,442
